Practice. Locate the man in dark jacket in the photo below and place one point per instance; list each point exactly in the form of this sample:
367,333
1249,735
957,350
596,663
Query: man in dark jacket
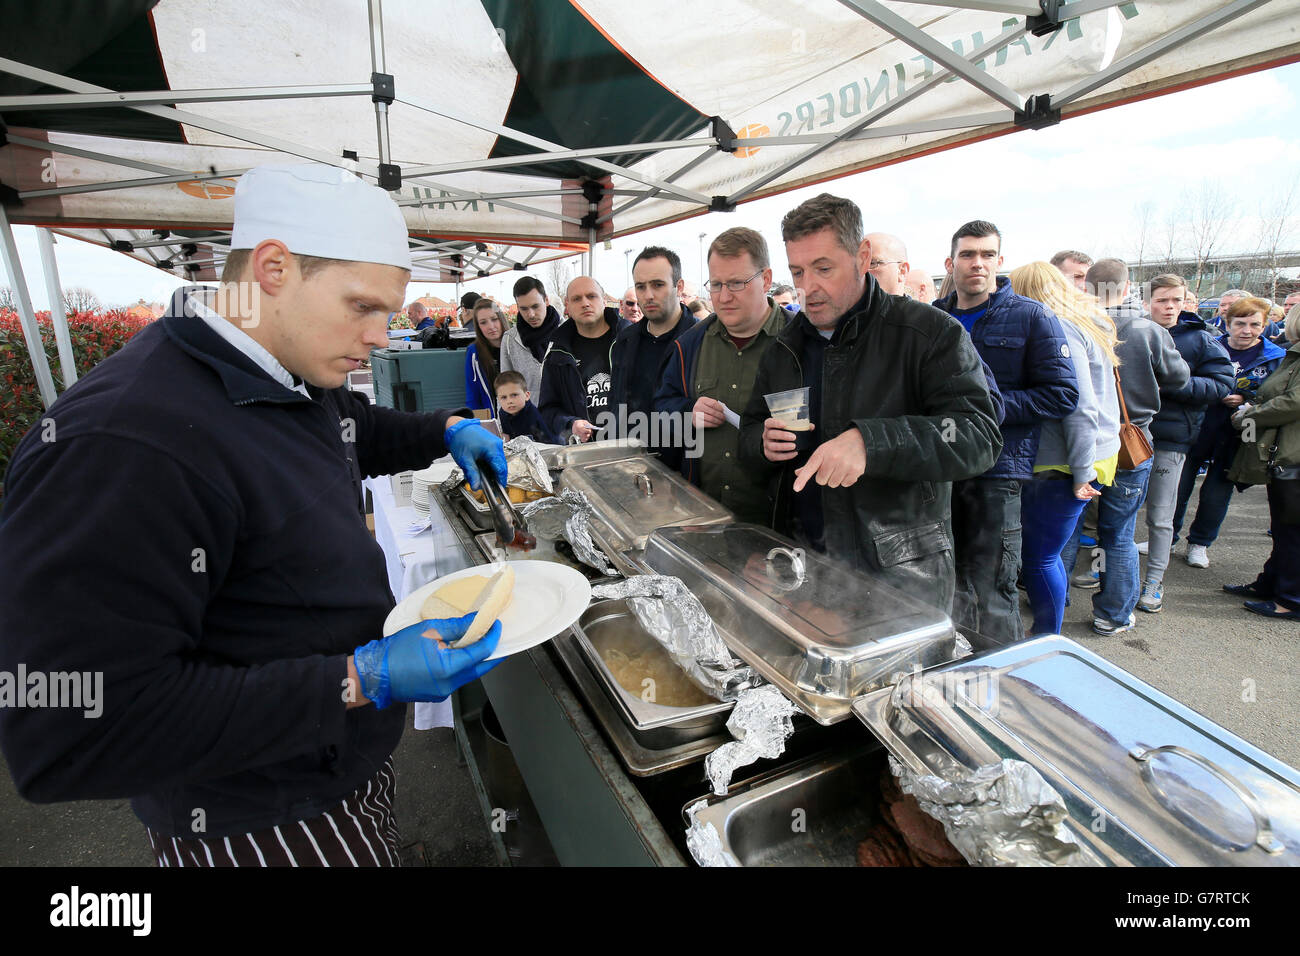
576,370
1176,424
640,350
1024,345
711,370
1149,364
188,525
899,404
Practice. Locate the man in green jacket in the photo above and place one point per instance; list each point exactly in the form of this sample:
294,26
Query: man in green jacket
710,373
900,408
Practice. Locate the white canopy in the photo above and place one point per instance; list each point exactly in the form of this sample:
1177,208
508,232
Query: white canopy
511,131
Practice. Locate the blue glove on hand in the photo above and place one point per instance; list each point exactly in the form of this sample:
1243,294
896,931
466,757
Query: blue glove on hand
408,666
471,443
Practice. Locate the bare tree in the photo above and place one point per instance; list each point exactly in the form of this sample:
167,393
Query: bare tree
1277,220
1171,248
1143,214
1206,214
8,299
558,275
80,299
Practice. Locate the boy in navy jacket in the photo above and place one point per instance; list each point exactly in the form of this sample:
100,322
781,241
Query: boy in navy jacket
519,416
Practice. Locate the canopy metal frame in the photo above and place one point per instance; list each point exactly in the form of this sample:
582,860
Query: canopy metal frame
1012,106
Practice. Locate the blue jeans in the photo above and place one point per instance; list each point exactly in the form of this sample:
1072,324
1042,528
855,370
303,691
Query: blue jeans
1216,489
1049,514
1116,521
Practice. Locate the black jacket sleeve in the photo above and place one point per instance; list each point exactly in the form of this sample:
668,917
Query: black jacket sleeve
1212,376
121,592
955,437
389,441
556,401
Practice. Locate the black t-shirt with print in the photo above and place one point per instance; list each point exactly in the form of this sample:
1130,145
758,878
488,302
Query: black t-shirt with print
593,366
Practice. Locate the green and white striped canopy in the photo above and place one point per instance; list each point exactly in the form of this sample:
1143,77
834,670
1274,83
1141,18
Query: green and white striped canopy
512,131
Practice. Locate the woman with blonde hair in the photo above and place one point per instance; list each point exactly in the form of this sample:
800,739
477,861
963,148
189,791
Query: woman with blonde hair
1077,454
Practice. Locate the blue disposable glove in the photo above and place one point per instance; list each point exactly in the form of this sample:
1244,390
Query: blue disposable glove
470,443
408,666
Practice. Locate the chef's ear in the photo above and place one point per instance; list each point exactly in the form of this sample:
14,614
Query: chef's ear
273,266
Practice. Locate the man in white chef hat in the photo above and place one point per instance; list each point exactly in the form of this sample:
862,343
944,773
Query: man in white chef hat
186,532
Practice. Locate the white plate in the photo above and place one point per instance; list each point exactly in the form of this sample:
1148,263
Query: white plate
436,473
548,598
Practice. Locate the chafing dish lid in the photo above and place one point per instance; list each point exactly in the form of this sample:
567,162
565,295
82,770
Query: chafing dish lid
1147,781
821,631
635,494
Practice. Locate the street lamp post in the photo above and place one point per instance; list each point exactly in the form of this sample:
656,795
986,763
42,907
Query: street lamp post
627,261
703,277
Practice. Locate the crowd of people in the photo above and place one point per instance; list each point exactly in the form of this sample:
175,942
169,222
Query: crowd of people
963,442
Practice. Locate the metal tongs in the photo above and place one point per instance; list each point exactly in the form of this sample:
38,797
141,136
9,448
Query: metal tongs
512,530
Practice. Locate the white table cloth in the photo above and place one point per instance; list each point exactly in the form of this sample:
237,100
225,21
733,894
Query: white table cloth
413,561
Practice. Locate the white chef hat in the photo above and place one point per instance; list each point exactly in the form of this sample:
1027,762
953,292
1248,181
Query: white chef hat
319,210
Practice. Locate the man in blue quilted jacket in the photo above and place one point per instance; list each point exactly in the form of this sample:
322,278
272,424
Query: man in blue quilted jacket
1024,345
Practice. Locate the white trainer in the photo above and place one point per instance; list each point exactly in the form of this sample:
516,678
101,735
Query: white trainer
1198,556
1142,547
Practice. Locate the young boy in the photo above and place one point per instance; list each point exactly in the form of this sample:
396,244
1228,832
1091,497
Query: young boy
519,416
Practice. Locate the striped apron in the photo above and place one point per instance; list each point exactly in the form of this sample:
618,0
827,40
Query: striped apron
358,831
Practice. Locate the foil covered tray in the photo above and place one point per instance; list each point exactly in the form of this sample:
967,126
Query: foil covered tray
822,632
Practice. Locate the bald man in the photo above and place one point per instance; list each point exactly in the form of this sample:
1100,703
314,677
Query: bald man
919,286
576,369
888,262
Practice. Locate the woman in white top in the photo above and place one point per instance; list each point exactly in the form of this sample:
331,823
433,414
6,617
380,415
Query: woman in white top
1076,454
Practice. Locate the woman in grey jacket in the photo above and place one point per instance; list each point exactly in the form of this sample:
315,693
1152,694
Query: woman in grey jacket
1076,454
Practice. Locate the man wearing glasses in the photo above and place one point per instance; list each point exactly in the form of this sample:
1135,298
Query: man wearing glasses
711,369
888,262
627,306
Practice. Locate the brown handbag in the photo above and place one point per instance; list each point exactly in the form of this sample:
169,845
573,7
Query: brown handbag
1133,445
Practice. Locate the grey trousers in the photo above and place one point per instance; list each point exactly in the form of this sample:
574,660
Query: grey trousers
1162,496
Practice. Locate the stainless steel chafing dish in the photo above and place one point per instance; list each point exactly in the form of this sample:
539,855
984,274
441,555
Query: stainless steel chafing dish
633,495
820,631
610,637
1168,786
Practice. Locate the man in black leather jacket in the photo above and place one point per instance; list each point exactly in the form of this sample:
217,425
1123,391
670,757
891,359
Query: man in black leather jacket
899,403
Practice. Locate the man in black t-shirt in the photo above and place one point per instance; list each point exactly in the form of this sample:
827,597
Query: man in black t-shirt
575,371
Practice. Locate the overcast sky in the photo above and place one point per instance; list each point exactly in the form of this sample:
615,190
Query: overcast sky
1076,185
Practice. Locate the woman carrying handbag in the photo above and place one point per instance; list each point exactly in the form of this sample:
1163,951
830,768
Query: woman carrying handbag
1270,454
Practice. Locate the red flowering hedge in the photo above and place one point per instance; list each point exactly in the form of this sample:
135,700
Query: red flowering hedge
95,336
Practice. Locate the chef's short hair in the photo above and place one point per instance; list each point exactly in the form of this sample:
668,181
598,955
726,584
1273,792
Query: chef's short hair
237,261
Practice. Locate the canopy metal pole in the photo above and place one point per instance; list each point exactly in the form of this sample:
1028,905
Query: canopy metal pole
256,138
1153,50
58,314
245,94
379,65
527,159
529,140
921,41
31,331
672,177
939,75
1026,8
